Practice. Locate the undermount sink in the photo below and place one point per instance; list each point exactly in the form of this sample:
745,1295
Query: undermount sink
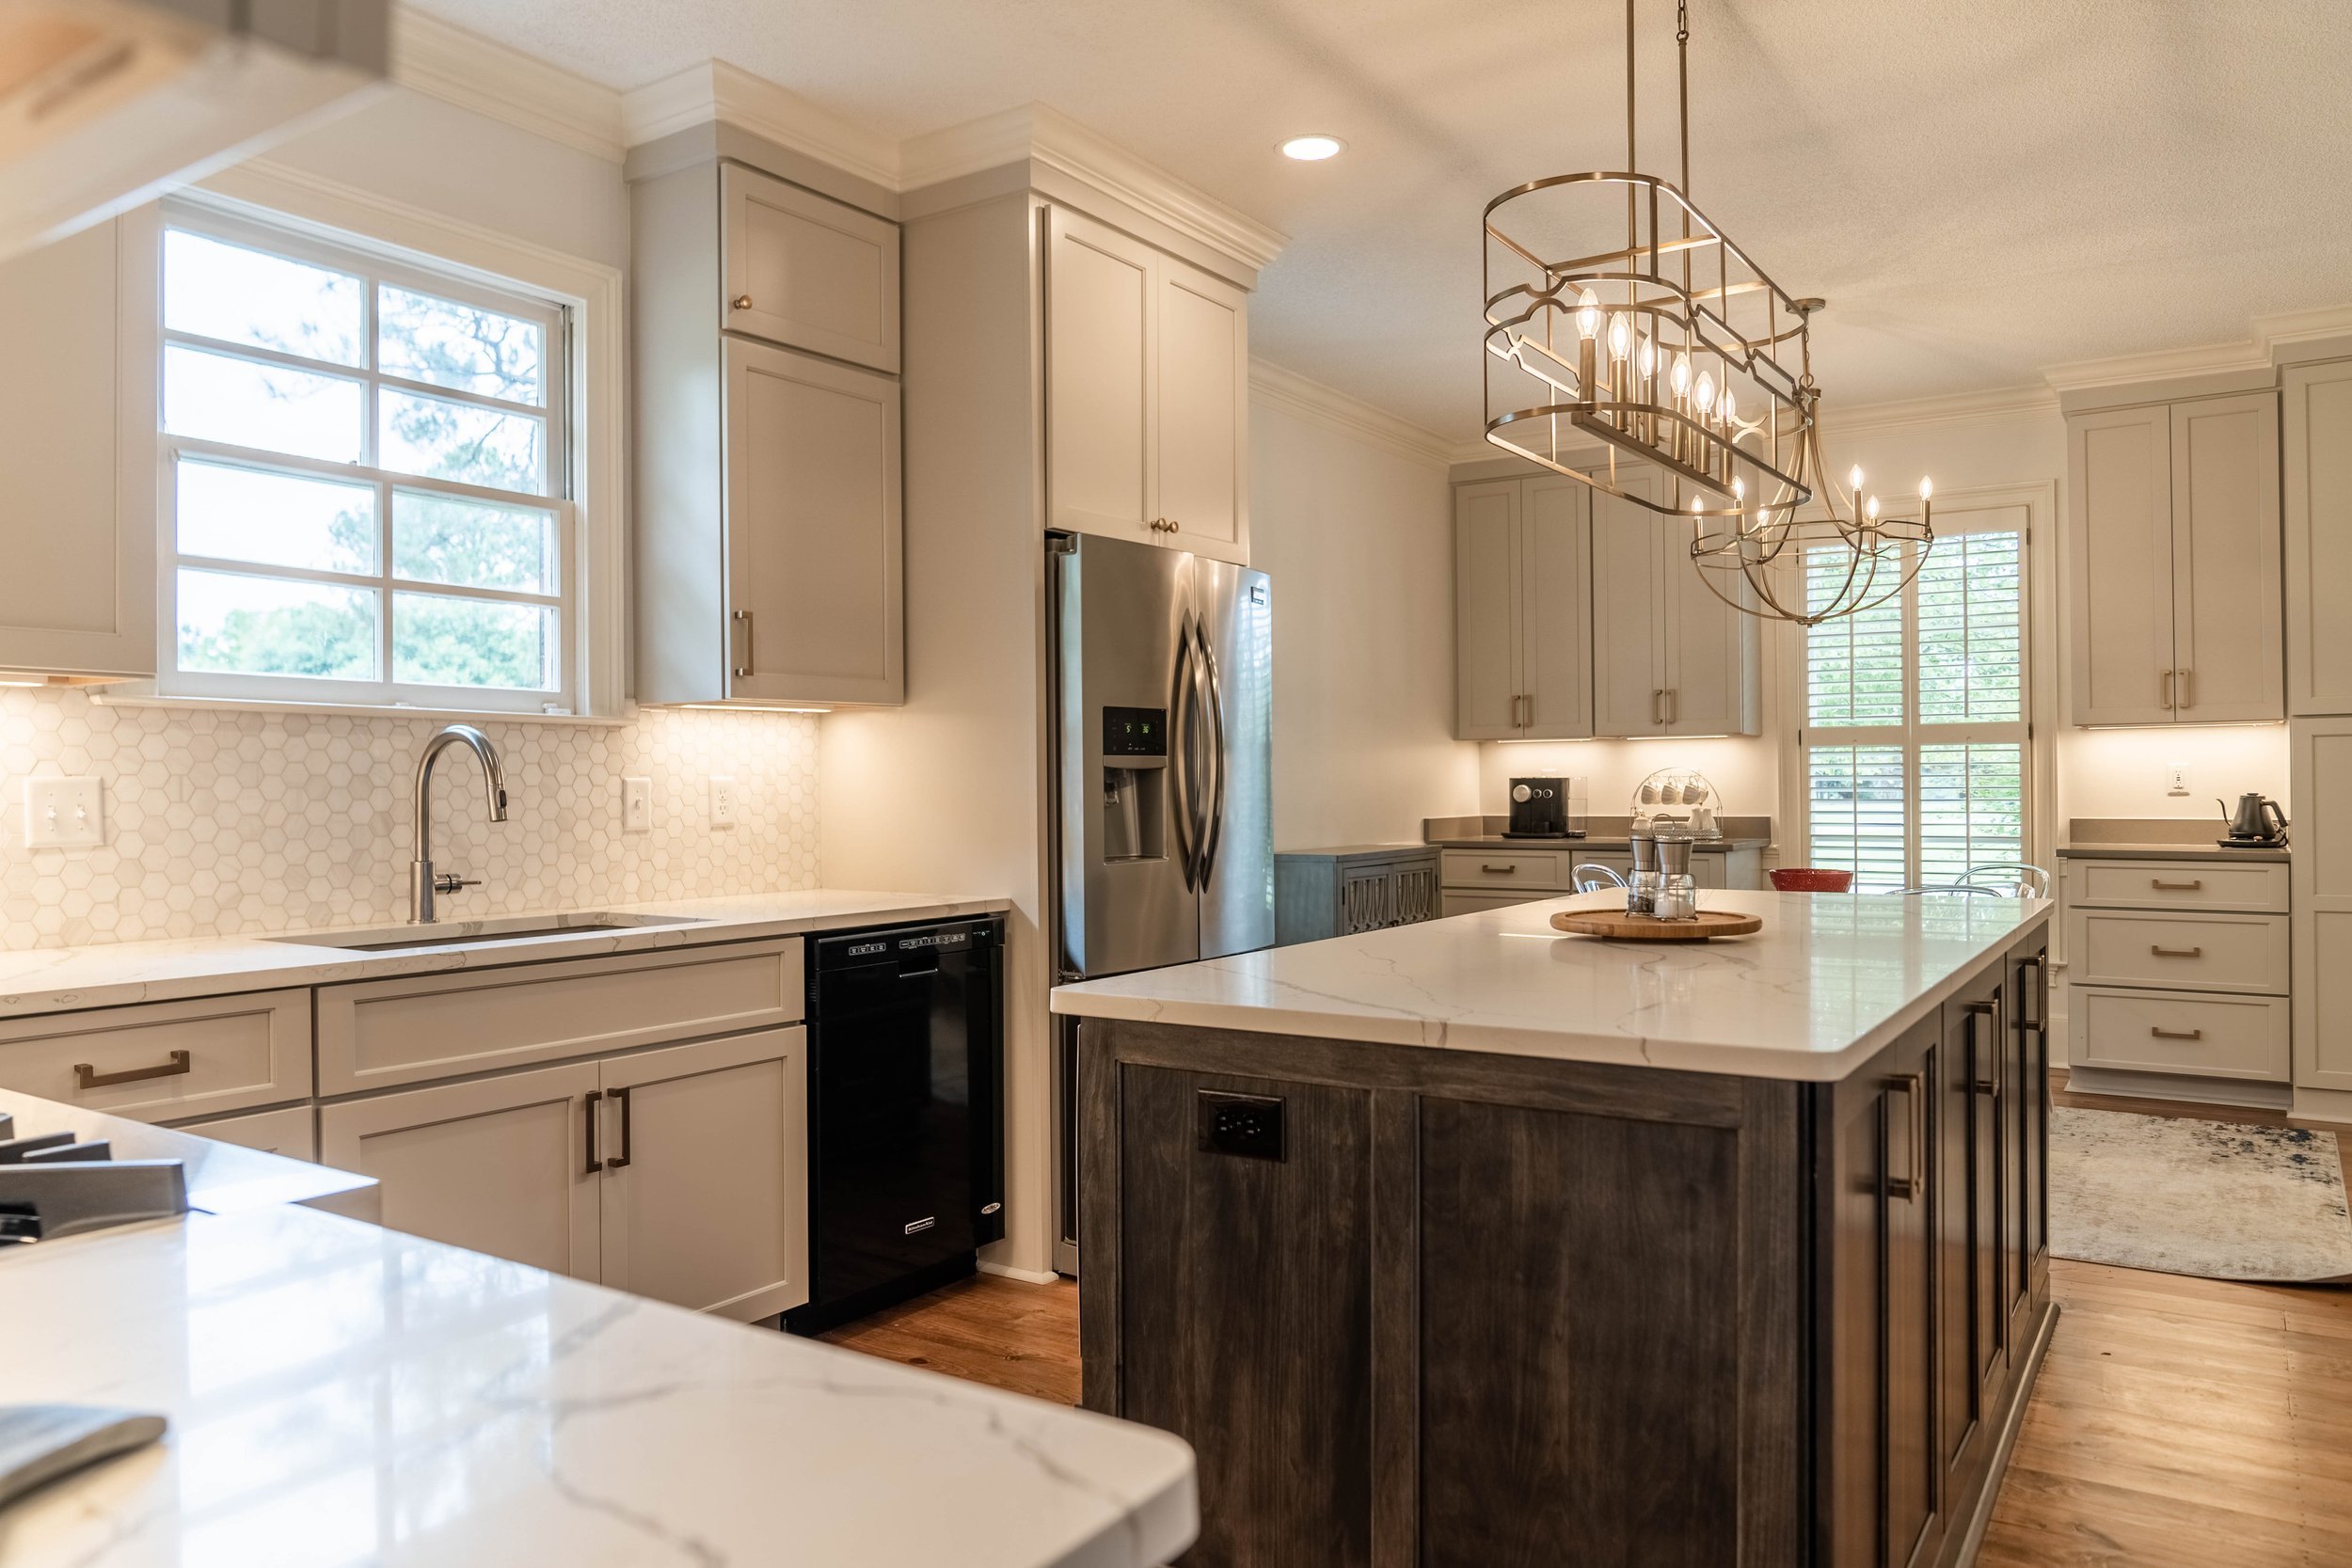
451,933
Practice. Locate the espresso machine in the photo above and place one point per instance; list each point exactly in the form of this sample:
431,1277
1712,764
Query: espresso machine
1544,808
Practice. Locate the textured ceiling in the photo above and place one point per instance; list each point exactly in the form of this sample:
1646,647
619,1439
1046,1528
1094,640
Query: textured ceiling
1979,188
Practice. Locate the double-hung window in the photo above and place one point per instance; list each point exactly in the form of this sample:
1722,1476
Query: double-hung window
364,490
1915,739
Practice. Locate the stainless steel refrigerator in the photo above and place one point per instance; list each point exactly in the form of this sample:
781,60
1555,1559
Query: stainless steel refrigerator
1163,799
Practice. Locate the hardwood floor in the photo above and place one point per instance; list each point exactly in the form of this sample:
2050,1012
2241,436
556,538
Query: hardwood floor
2178,1423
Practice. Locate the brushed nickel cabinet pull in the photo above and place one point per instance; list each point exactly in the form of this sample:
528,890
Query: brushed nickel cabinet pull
2190,886
742,302
1990,1012
1674,705
2177,952
743,618
2188,688
1175,527
620,1161
2176,1034
589,1101
89,1077
2168,701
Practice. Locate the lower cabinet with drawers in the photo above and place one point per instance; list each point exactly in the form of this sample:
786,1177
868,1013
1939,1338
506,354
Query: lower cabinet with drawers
2178,976
1346,891
1485,878
639,1119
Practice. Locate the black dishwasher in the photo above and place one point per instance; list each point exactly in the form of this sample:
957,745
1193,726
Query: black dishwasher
906,1113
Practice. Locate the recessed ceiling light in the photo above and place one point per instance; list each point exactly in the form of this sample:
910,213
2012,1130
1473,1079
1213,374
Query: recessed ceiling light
1314,150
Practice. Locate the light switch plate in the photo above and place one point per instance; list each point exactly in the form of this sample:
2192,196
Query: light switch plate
64,813
636,805
722,801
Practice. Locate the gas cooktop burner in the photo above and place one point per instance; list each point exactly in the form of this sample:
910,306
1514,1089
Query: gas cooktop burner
56,1184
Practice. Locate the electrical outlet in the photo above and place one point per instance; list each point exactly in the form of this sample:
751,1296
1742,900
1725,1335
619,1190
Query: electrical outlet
636,805
722,801
64,813
2176,778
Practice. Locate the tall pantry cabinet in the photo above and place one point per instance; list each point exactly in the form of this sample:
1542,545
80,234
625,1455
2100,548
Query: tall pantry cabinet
2315,404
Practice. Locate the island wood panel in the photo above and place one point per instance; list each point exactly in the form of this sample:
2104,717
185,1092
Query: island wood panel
1572,1400
1246,1314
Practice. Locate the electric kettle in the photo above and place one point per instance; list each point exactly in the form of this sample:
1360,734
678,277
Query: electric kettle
2257,820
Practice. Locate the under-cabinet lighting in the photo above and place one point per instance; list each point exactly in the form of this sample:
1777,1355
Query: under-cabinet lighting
747,707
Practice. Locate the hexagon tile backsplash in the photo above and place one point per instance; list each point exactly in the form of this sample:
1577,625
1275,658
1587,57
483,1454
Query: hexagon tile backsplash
222,822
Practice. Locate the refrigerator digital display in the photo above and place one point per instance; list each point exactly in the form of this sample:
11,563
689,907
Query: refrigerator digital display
1134,732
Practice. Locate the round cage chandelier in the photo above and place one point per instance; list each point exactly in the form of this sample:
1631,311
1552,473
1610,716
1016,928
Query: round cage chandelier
1632,345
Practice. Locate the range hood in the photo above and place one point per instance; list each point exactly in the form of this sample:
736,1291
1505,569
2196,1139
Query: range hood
106,104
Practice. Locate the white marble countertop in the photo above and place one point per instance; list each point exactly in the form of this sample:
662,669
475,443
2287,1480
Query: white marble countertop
62,979
1830,979
343,1394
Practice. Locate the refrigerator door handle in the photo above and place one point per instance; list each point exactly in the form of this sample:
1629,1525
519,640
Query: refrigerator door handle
1179,755
1213,827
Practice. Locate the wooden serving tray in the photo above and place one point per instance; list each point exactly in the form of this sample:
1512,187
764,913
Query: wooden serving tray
1643,927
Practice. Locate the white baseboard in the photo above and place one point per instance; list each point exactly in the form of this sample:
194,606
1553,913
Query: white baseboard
1027,1277
2190,1087
2323,1105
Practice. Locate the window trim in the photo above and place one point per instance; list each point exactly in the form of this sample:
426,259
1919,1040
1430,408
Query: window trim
2040,501
294,201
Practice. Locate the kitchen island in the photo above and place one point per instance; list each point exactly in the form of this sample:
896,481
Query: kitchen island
1470,1243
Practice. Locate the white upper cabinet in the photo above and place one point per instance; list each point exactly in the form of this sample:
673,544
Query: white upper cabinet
808,272
1670,657
77,454
1147,392
767,465
1522,604
2318,465
2175,561
814,575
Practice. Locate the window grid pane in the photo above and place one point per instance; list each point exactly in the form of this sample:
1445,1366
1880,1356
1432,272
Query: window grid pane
1853,666
235,505
1856,812
1971,645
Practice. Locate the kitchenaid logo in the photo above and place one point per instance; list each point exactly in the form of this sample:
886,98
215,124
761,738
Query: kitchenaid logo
951,939
863,948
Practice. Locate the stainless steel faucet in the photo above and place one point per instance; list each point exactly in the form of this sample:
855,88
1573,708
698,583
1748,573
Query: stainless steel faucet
423,884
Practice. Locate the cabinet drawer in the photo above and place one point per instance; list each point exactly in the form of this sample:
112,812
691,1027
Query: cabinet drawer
291,1130
1489,868
2221,1036
426,1026
808,272
2186,884
2204,952
165,1060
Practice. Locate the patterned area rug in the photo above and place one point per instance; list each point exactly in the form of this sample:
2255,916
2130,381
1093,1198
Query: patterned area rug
2198,1197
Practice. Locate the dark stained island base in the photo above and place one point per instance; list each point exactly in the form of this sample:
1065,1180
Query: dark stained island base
1470,1245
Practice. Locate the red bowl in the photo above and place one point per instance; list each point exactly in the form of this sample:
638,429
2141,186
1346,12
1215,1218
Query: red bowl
1805,878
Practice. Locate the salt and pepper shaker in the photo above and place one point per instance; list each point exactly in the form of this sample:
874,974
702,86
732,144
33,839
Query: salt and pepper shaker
1640,888
1677,893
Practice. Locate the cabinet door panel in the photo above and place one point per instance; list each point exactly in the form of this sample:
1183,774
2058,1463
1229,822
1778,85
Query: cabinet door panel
1555,609
2119,470
711,1208
1628,619
2226,629
1711,672
499,1165
2320,780
1100,401
1487,605
813,529
77,445
808,272
1203,423
2317,449
1268,1263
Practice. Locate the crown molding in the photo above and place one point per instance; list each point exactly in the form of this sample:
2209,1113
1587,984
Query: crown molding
2000,403
458,66
715,90
1044,134
2270,333
1304,398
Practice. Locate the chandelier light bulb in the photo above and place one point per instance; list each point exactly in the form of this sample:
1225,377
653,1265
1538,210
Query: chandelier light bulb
1646,358
1705,397
1587,313
1740,490
1854,479
1681,374
1871,510
1730,409
1620,337
1927,489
